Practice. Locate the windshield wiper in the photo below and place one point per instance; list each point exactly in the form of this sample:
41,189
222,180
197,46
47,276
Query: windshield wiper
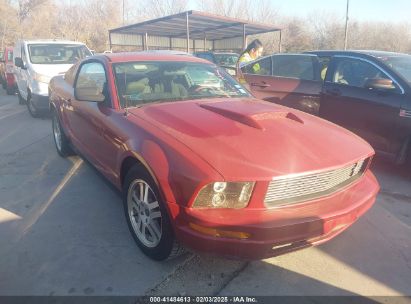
156,101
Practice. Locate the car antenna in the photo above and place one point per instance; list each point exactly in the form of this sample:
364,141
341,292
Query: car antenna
125,95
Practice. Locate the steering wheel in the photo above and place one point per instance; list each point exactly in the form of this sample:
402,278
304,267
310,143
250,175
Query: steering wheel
201,90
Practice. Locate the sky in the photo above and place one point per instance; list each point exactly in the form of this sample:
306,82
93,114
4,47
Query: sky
360,10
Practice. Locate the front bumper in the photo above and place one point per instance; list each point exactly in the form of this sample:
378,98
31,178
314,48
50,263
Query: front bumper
276,231
40,102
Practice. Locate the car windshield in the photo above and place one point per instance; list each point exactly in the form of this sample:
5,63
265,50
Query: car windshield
57,53
400,64
140,83
226,59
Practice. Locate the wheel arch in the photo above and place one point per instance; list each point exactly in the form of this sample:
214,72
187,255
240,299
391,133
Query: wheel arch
404,154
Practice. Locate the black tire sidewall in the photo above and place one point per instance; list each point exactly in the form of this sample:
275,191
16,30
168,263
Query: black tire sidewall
65,146
21,100
35,113
163,250
9,91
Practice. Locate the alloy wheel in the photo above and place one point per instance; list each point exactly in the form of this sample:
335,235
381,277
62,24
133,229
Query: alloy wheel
144,213
57,132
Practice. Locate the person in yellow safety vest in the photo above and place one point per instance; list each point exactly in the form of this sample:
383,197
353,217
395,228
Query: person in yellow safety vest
253,51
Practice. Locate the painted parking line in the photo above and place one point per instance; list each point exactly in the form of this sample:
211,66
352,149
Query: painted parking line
11,113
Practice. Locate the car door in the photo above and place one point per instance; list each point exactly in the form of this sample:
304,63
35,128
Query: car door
349,101
21,75
292,80
91,123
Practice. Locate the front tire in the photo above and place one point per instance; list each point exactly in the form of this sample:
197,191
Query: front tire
60,140
34,112
147,217
21,100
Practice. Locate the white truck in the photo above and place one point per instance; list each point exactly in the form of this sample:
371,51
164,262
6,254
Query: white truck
36,62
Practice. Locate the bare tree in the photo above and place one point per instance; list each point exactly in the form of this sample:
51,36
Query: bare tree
253,10
26,7
161,8
90,20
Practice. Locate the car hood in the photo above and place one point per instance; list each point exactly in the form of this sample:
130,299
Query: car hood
51,70
252,139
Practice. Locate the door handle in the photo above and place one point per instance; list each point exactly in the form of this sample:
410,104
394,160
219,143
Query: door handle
333,91
261,85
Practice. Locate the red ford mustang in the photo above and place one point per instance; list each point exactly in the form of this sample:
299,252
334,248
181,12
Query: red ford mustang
202,163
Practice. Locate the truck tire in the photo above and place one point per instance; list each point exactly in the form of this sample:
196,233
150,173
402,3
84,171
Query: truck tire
10,91
34,112
21,100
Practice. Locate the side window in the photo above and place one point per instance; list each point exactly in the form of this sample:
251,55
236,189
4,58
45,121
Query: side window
92,75
324,62
23,54
260,67
294,66
356,73
10,56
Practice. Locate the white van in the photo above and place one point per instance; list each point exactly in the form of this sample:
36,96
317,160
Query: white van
36,62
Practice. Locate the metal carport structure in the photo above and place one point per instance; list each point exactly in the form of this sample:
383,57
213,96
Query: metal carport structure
191,30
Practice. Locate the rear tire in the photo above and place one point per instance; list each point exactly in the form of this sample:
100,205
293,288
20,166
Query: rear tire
60,140
147,217
34,112
10,91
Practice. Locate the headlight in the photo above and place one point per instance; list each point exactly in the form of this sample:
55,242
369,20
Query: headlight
224,195
41,78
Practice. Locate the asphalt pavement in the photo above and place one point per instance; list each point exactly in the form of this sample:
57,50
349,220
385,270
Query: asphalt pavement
63,232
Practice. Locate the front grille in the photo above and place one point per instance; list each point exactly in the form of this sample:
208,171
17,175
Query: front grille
303,187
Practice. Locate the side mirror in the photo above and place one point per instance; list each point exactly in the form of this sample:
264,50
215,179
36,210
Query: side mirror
90,93
381,84
18,62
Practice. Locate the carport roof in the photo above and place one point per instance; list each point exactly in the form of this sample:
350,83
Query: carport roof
201,25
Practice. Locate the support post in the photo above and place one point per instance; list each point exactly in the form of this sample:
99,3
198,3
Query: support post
280,42
346,26
109,41
170,40
188,33
244,38
143,47
146,41
205,42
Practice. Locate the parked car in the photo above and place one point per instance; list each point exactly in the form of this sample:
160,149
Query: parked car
37,61
6,71
367,92
206,166
223,59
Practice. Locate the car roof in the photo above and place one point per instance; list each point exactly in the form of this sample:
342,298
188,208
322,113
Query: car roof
211,52
51,41
153,56
371,53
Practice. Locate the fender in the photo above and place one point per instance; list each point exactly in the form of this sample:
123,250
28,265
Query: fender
154,160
